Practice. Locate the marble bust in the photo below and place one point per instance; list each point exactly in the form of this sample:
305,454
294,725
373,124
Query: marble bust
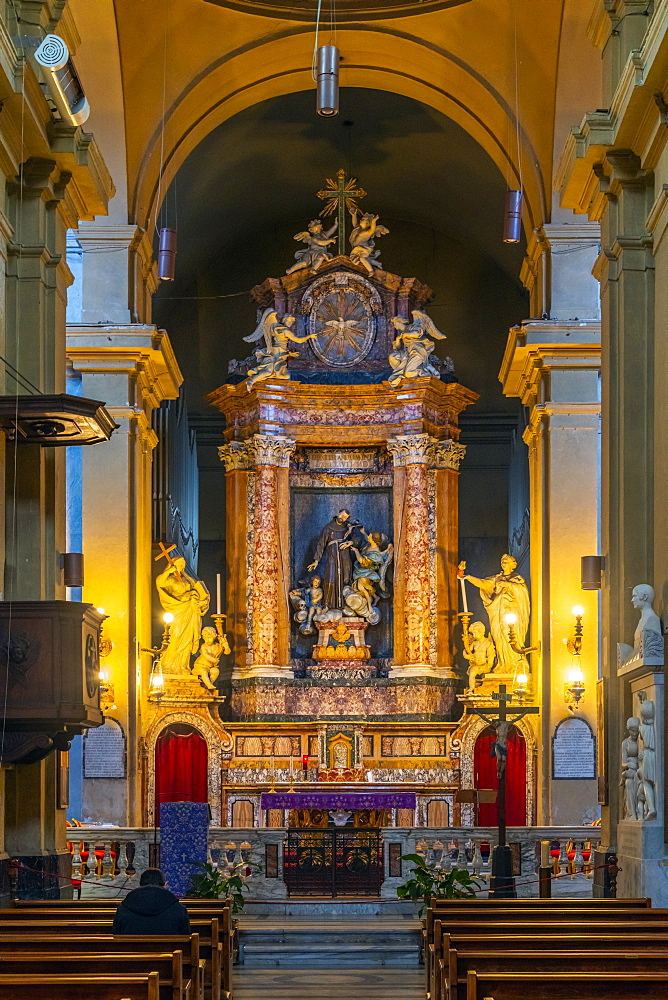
647,649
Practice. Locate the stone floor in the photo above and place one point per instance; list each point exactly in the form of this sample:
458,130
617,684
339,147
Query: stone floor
329,984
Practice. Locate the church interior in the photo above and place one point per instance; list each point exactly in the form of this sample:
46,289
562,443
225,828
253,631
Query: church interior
333,342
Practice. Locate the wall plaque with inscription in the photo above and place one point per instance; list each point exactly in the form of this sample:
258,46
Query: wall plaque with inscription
104,751
573,751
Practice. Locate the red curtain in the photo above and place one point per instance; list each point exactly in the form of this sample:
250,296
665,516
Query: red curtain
180,768
484,776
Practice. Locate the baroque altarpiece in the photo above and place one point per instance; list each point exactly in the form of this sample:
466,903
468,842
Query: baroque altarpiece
341,448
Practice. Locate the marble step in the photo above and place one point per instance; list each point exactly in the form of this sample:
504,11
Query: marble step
328,955
321,943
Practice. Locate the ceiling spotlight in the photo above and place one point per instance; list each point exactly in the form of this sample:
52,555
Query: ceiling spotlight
167,255
328,81
512,225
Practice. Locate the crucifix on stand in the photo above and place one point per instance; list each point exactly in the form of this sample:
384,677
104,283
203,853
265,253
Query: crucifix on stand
502,884
341,195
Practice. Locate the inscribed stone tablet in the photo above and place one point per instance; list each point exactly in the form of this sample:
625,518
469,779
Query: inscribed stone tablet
573,750
104,751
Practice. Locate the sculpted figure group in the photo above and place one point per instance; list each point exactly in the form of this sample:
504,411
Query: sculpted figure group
187,600
352,567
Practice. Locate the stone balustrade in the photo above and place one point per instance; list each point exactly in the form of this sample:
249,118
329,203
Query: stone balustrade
119,855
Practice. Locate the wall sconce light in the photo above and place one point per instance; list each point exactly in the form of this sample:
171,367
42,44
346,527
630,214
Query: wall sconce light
521,687
156,684
511,620
574,688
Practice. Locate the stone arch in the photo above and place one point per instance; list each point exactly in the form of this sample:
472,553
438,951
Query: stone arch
468,732
233,83
217,740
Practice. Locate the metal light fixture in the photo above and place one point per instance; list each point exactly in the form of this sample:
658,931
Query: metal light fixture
328,81
167,255
512,225
574,688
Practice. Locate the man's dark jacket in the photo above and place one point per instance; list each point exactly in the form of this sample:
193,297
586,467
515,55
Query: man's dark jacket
151,910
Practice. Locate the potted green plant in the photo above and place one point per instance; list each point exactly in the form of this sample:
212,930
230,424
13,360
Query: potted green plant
212,883
429,882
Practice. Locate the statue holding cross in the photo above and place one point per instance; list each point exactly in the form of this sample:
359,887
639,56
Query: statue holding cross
187,599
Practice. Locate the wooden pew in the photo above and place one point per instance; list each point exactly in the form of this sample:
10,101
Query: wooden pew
28,987
459,964
168,965
220,908
567,985
103,946
542,924
208,930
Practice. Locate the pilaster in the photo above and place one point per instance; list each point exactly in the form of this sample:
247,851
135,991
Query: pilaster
554,369
133,368
119,274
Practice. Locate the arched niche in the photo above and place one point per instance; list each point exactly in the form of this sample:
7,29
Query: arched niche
468,732
217,741
181,766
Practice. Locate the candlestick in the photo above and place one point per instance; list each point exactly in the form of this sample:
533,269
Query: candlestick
217,593
462,583
544,853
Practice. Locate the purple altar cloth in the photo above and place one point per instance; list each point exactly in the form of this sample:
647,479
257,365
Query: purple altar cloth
338,800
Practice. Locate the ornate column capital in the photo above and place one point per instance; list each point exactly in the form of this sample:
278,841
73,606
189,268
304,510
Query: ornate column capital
449,454
412,449
237,456
270,449
423,449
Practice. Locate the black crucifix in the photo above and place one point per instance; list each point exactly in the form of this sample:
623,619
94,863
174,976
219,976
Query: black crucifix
502,884
341,195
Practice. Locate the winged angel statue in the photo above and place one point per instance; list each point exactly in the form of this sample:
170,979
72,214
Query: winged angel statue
271,361
409,357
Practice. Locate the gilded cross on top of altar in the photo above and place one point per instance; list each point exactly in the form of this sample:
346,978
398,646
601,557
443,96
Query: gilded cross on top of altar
340,195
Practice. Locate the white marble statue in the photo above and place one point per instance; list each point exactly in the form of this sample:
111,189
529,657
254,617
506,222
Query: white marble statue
272,360
187,599
362,240
412,347
480,652
648,636
315,252
630,763
502,594
647,766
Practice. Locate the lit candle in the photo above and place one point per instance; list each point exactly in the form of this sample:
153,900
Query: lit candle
465,604
545,854
217,593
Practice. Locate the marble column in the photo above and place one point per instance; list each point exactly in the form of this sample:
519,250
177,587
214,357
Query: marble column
271,454
553,367
416,455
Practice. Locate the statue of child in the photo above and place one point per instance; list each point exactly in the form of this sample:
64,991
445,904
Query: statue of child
206,665
480,651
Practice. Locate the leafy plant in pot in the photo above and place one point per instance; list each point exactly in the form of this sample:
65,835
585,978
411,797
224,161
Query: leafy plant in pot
429,882
212,883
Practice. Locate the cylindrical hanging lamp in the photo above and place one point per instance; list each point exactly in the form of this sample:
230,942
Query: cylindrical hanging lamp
167,255
328,81
512,225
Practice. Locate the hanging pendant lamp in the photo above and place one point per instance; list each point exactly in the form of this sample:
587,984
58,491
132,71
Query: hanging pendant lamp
328,81
167,255
512,225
